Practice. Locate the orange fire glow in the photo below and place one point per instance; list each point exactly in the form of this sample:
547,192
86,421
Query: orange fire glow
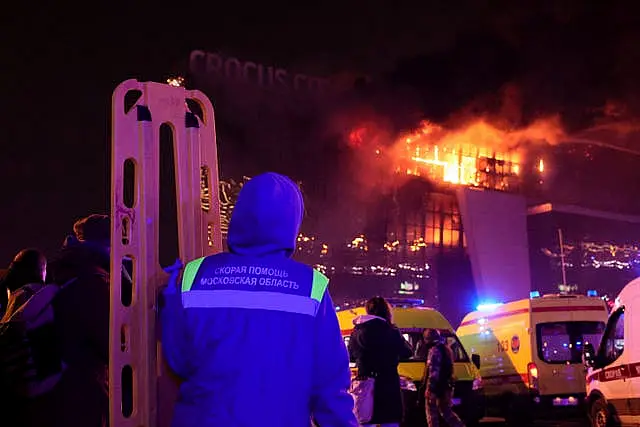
357,136
467,154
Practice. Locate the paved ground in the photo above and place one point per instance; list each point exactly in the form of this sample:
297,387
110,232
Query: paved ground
499,422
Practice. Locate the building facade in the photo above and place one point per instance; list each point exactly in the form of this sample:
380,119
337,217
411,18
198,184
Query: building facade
454,223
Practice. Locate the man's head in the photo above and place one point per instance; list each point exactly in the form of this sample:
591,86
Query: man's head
28,266
267,216
95,230
431,336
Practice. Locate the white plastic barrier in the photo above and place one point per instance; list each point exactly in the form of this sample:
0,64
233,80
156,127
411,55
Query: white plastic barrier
136,369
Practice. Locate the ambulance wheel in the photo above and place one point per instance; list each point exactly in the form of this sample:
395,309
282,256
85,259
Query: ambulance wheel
600,414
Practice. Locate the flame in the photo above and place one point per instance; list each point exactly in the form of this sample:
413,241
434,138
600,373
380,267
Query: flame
359,242
417,244
392,246
467,155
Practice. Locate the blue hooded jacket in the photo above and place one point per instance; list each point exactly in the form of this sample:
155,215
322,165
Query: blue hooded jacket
245,358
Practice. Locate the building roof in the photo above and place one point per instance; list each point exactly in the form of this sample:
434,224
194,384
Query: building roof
577,210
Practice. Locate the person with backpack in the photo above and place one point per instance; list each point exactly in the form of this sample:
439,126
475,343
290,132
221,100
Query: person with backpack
438,381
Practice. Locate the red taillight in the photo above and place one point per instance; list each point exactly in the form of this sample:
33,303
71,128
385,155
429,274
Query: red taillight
532,372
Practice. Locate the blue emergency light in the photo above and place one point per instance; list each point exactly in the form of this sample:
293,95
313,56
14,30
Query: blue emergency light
534,294
488,306
592,293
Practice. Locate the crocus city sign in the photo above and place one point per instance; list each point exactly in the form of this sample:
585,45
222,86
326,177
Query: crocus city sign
221,67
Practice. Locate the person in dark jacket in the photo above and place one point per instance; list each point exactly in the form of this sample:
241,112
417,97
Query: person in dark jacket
377,347
25,275
439,381
81,310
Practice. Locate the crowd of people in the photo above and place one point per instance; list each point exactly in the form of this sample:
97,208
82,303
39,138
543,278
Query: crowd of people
54,333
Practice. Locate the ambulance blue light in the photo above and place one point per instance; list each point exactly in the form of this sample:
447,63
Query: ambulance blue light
534,294
488,306
592,293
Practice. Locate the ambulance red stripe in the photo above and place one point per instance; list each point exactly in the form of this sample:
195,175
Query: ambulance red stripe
571,308
616,373
496,316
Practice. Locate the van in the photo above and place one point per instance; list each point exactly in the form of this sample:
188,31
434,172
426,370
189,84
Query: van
613,371
531,354
412,319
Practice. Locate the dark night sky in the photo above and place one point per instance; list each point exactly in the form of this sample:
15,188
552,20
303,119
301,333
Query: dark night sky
60,65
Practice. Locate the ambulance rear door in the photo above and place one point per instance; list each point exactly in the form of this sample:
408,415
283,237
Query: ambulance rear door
560,329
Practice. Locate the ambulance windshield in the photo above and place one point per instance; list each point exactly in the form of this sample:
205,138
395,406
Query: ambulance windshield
562,342
419,351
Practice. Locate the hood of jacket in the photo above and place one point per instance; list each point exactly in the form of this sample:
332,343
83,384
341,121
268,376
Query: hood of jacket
364,318
267,217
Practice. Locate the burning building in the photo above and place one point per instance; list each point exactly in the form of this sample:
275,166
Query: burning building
459,203
431,154
426,222
444,217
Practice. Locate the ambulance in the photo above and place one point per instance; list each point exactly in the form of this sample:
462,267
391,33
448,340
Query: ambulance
531,354
412,319
613,371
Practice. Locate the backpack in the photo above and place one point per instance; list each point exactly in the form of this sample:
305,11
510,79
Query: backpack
30,357
446,371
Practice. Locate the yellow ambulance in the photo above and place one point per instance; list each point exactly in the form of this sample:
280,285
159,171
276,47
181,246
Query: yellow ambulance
531,354
412,319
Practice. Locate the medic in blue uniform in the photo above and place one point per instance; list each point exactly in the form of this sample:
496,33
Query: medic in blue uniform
254,334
